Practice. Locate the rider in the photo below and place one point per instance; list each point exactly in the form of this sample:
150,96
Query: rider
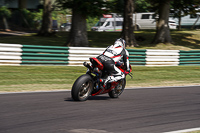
112,55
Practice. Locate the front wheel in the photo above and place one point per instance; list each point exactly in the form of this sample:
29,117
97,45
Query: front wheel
82,88
117,91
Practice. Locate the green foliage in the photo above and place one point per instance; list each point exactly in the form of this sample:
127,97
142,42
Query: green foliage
91,21
89,8
38,15
60,16
35,18
184,7
117,6
142,6
20,16
154,5
30,16
4,11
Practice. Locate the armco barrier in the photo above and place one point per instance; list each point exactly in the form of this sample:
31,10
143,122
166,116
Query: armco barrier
17,54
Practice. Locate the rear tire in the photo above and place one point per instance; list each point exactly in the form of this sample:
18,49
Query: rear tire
117,91
137,28
82,88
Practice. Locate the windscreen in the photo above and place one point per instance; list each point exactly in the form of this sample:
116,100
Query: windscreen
99,23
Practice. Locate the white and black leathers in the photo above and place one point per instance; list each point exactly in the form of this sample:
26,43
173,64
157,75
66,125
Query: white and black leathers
111,56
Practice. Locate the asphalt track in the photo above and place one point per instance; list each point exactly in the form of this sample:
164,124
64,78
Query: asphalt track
151,110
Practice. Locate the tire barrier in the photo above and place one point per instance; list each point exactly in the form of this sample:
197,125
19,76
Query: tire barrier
17,54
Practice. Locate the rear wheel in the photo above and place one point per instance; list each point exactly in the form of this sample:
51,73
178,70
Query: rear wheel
82,88
137,27
117,91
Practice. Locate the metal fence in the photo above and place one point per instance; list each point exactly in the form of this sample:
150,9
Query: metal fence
17,54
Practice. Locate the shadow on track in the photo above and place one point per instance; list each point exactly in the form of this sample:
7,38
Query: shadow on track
69,99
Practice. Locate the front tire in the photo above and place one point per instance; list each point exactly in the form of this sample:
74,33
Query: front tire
82,88
117,91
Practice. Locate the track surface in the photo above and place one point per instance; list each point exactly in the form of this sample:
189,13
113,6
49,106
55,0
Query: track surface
152,110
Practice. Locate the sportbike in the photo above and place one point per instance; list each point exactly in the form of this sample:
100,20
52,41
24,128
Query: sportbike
90,83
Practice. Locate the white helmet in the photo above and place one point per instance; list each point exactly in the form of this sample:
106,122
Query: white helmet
120,42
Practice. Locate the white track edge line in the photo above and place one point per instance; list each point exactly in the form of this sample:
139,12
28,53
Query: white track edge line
185,130
162,87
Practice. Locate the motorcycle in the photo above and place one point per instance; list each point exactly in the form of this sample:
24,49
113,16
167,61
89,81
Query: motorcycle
89,83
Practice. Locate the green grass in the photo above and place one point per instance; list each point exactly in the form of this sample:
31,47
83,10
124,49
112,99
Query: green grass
183,40
193,132
38,78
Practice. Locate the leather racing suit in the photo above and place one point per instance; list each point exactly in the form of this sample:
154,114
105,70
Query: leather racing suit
110,57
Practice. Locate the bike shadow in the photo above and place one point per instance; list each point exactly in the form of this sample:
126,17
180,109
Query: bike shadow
92,98
99,98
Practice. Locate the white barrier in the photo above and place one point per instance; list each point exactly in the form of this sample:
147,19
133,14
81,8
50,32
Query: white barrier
78,55
11,45
11,54
162,57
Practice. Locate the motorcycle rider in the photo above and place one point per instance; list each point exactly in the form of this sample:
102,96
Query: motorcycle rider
112,55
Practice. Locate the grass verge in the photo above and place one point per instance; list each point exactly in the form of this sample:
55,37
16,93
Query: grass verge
42,78
194,132
183,40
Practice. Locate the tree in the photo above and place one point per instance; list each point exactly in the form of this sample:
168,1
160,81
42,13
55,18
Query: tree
162,29
182,8
78,35
22,8
142,6
117,6
46,28
128,28
139,6
81,10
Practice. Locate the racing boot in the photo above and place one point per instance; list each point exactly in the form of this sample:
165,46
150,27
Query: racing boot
102,83
109,79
